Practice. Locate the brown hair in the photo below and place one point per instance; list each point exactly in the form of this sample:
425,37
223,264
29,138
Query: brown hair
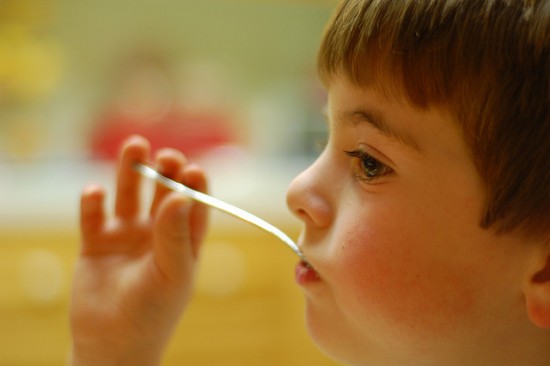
487,61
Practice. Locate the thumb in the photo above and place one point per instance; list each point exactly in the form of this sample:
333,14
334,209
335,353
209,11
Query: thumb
174,252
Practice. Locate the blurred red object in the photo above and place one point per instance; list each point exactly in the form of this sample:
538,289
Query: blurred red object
193,134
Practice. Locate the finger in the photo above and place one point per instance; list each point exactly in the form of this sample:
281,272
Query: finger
92,212
135,149
169,163
195,178
174,254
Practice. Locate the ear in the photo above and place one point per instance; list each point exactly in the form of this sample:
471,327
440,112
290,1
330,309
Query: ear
537,294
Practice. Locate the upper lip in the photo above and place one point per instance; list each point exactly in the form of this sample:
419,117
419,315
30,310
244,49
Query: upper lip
306,260
303,249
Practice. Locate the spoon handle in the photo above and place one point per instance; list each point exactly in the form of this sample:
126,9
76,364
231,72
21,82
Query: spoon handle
219,204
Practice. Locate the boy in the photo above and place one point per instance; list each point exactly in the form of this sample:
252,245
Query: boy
432,246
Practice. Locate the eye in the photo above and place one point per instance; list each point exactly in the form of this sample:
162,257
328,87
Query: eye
369,168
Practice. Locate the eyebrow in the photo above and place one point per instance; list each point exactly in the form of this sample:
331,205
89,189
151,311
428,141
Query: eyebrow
361,116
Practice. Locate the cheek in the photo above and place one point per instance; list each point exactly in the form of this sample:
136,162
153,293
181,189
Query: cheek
393,279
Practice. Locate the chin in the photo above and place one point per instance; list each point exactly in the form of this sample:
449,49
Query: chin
329,334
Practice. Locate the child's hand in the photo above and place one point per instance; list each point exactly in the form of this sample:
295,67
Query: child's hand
135,274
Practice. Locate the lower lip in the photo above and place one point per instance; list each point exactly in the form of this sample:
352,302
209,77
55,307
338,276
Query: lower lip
305,274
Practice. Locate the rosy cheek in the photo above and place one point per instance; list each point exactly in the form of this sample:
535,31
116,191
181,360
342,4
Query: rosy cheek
393,281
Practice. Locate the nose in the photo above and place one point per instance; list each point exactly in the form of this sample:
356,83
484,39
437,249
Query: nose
308,197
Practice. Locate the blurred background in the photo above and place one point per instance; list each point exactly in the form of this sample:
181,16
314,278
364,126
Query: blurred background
231,83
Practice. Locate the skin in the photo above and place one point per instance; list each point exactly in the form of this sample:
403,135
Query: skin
407,276
135,272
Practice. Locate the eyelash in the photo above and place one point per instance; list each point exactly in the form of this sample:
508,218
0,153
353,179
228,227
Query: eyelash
369,168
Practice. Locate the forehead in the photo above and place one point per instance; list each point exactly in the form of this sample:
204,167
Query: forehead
373,118
425,130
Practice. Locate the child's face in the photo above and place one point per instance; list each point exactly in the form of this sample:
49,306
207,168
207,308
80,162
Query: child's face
391,213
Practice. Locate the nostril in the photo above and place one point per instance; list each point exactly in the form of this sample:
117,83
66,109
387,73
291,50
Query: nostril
313,211
301,213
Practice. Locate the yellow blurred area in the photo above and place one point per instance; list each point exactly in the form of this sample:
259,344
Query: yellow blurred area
30,66
30,12
30,60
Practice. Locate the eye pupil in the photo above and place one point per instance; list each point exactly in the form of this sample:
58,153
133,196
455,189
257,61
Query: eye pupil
371,165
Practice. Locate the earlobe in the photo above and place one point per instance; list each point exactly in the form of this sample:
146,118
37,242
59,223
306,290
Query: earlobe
537,296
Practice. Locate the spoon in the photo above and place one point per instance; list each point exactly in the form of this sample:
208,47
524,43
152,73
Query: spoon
151,173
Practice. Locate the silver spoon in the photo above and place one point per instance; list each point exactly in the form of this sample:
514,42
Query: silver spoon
220,205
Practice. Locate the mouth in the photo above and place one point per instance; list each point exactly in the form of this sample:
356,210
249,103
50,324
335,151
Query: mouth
307,264
305,273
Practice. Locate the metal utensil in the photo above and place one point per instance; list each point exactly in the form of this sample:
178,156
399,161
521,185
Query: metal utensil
219,204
